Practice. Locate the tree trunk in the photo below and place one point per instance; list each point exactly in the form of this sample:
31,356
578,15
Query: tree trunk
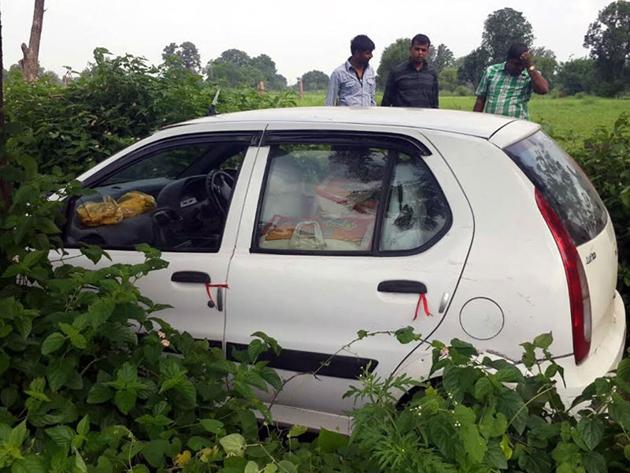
30,62
5,188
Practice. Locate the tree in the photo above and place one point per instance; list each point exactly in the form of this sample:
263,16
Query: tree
473,67
236,57
393,54
546,62
576,75
608,38
185,55
315,80
501,29
448,79
30,62
5,188
443,58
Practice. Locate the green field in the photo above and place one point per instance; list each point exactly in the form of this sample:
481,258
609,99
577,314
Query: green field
565,118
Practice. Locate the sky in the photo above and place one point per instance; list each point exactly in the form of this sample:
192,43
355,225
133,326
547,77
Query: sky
298,35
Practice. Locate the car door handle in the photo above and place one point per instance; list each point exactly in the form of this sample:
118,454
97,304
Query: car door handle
191,277
402,286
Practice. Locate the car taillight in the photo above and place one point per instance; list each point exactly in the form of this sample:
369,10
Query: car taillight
579,296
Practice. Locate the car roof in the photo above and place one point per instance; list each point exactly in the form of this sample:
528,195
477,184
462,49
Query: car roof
482,125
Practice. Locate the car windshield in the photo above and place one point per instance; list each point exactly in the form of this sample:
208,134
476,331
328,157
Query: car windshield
563,184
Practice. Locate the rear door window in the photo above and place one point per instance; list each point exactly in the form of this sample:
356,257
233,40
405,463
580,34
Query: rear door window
563,184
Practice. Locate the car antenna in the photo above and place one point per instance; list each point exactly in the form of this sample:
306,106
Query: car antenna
212,110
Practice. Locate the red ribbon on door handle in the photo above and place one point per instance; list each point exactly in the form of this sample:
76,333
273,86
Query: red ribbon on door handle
422,299
209,285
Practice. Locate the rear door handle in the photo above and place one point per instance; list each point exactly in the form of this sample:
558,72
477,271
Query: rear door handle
191,277
402,286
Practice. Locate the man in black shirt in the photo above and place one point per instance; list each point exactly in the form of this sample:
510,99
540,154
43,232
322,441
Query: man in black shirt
413,83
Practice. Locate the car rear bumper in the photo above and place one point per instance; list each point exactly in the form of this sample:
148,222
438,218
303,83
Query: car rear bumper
602,358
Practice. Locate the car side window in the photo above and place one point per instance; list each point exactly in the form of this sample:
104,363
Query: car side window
417,211
348,199
175,198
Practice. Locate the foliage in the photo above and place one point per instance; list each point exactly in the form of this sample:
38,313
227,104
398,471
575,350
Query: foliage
443,58
576,75
501,29
117,101
393,54
545,60
609,40
473,67
82,390
448,79
488,415
315,80
185,55
234,68
605,157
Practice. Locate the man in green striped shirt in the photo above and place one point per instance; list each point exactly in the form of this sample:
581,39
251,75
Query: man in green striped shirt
506,88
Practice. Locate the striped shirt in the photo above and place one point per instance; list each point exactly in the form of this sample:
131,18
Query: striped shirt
505,94
345,88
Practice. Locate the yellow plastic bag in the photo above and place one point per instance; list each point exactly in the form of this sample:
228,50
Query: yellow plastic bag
93,214
110,212
135,203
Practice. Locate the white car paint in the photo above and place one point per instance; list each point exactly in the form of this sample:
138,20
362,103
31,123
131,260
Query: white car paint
498,250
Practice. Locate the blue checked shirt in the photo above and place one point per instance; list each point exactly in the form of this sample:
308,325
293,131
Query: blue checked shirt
345,88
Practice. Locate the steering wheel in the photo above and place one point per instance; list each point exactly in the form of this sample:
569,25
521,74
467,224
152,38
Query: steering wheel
219,186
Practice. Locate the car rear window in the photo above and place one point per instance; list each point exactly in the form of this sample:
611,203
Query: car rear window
563,184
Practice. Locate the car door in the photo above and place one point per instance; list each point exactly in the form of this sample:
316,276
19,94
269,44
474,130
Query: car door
344,231
195,188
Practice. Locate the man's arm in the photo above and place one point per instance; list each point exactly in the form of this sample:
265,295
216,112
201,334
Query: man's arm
390,87
333,90
480,103
539,83
481,93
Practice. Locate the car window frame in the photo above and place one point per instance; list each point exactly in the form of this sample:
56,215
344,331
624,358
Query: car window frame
252,138
400,142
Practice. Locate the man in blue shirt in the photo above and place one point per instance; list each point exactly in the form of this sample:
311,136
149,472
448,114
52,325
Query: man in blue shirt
354,82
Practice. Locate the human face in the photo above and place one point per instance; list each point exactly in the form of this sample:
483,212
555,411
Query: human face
514,66
418,53
362,58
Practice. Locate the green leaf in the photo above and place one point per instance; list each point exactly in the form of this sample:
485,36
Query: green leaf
100,311
623,373
329,441
296,431
212,425
513,408
155,451
407,335
594,463
509,374
59,373
251,467
125,400
62,435
591,430
233,444
29,464
83,427
474,444
543,341
196,443
619,411
18,434
483,388
270,468
52,343
495,457
99,394
286,466
79,463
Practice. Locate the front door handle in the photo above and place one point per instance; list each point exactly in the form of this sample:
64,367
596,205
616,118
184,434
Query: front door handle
191,277
402,286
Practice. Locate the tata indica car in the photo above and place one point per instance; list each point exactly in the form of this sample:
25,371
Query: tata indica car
312,224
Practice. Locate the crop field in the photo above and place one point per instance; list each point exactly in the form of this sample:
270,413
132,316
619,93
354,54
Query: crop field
565,118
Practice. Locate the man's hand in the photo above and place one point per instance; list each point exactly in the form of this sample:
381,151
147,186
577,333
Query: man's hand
527,59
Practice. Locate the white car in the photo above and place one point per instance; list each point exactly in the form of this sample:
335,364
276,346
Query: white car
310,224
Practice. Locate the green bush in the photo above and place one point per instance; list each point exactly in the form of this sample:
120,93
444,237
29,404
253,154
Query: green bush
116,102
487,415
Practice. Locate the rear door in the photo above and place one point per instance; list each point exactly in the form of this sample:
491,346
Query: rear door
342,231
